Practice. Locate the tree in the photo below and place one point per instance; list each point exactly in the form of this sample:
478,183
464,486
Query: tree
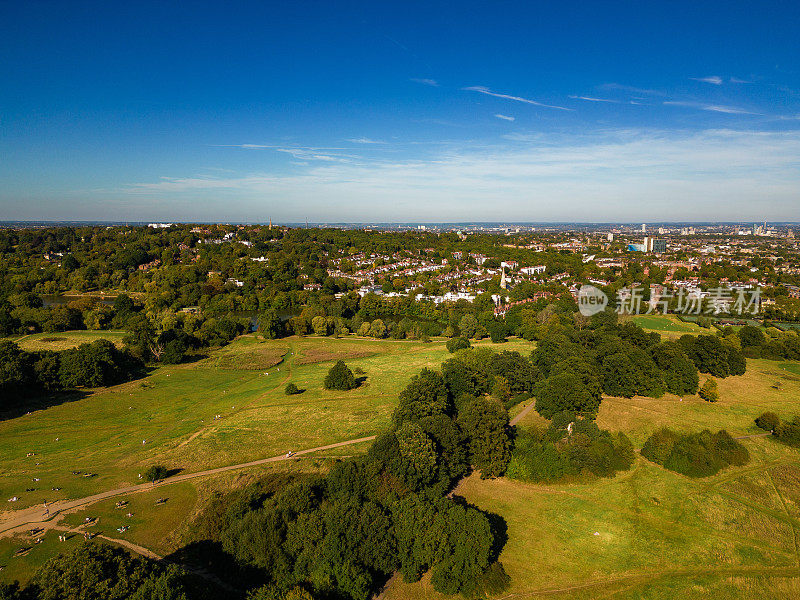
269,324
141,337
711,356
174,352
497,331
15,371
768,421
751,336
10,591
709,391
91,365
566,392
377,329
291,389
156,473
678,372
320,325
418,453
457,343
485,423
340,377
468,325
102,572
466,536
424,396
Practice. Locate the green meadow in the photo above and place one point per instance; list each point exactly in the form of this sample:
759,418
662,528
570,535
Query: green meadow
63,340
647,533
226,409
667,325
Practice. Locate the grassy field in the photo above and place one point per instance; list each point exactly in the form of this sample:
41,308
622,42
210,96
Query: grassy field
648,533
222,410
652,533
174,412
667,325
160,528
64,340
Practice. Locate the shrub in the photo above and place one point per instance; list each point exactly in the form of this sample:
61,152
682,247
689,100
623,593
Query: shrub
695,454
291,389
789,432
457,343
174,352
769,421
340,377
155,473
659,446
729,450
709,391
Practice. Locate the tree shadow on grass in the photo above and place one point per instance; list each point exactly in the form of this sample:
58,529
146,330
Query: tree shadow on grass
29,405
209,556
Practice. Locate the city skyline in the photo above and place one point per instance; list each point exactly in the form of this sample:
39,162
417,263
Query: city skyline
357,113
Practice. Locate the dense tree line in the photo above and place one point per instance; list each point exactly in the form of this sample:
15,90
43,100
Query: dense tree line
576,363
26,374
770,342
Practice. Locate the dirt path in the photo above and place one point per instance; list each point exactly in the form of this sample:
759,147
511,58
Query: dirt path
522,414
39,516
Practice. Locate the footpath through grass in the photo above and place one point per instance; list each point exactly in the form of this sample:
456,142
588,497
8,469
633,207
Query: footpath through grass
215,412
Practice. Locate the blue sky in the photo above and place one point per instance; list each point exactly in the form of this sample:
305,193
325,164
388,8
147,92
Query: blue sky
412,111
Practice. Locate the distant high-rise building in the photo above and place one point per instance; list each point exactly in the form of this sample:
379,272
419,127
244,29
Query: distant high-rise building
610,237
644,228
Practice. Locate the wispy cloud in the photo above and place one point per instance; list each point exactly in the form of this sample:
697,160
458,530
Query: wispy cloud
609,175
423,81
245,146
729,110
505,117
364,140
713,79
591,99
484,90
321,153
737,80
631,89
